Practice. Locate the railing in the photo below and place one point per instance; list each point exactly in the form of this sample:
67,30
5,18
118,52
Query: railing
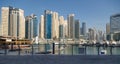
60,49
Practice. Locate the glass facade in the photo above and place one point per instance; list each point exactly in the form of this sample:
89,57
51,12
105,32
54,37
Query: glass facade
115,23
29,28
77,29
71,30
61,31
83,32
26,29
35,26
48,24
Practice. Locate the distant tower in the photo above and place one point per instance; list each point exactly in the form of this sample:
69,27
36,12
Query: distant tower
31,26
115,23
108,28
35,25
13,22
48,24
41,27
83,32
77,29
115,27
61,27
65,29
55,25
71,31
91,34
100,34
28,27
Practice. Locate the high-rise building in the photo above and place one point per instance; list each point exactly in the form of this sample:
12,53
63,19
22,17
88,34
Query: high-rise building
65,28
100,33
41,27
83,31
61,27
115,23
13,22
71,31
48,24
35,25
0,29
77,29
61,20
91,34
28,27
108,28
31,27
104,36
55,25
61,31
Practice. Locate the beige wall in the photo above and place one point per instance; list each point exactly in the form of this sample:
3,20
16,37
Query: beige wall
41,32
71,26
21,24
65,28
55,25
4,18
10,22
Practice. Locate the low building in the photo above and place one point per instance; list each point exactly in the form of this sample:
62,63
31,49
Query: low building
10,42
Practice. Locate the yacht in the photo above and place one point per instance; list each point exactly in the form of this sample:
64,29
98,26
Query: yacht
103,52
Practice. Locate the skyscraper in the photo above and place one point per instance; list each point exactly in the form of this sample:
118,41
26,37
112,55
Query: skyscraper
61,31
55,25
28,27
77,29
31,29
91,34
48,24
35,25
65,28
83,32
100,33
13,22
108,28
115,23
41,27
71,26
61,27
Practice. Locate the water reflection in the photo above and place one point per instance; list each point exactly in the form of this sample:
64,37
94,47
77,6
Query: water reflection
64,49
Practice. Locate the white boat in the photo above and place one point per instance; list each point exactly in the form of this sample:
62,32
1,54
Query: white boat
103,52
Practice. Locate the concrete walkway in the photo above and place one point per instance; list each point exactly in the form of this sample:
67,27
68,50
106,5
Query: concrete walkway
59,59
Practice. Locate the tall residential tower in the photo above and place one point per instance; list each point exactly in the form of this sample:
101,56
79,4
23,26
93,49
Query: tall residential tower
48,24
83,31
77,29
41,27
55,25
115,23
71,30
31,26
13,22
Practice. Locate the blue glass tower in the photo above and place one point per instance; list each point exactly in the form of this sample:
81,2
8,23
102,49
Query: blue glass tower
61,31
28,27
35,26
48,24
83,29
31,27
115,23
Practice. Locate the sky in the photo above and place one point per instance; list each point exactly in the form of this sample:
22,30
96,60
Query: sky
96,13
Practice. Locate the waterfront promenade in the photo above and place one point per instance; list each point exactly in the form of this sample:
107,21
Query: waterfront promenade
60,59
